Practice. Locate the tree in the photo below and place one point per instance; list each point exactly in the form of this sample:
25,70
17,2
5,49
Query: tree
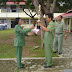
49,6
46,8
65,7
3,2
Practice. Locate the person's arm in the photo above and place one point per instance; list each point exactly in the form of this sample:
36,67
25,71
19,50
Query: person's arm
32,27
54,33
65,34
26,32
44,28
65,31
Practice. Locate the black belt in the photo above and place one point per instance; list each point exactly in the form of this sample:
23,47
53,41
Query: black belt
58,33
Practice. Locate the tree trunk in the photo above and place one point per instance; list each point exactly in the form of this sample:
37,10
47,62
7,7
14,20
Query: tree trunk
48,6
36,4
45,10
42,32
53,6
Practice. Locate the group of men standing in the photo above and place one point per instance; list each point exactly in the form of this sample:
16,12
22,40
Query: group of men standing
53,37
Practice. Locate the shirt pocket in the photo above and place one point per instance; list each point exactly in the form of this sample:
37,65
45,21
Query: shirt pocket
61,25
56,26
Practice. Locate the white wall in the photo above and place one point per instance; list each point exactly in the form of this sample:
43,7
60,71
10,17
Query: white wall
14,15
8,24
0,10
57,14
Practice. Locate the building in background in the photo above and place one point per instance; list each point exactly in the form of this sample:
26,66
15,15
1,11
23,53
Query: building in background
12,11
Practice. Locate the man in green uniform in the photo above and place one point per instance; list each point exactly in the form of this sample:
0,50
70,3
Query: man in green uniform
19,40
48,39
60,27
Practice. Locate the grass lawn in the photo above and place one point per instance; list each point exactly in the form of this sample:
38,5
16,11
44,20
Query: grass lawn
7,50
4,34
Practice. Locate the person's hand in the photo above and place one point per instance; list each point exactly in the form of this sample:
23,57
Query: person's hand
32,27
29,33
54,35
38,23
65,37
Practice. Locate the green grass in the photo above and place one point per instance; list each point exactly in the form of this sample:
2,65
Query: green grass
4,34
7,50
40,52
7,31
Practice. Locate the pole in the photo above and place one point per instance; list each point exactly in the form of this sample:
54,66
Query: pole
33,21
6,14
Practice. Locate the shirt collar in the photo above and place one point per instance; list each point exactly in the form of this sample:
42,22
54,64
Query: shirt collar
60,22
51,22
19,25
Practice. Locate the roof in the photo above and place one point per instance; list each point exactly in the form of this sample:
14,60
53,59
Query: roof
9,2
65,15
22,2
12,3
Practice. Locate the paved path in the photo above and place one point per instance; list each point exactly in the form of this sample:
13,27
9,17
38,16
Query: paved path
67,46
36,65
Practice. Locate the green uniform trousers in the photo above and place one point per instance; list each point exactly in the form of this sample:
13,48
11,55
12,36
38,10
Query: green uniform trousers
58,41
48,54
19,55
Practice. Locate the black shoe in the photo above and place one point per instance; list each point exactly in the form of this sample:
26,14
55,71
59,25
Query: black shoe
45,63
22,65
55,52
59,53
47,66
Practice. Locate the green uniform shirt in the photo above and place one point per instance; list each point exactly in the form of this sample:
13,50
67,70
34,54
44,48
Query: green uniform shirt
59,27
19,39
48,36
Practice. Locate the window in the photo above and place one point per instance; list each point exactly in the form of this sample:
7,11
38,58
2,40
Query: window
24,22
2,21
13,7
27,21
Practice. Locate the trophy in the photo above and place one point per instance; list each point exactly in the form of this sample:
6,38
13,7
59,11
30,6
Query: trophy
39,15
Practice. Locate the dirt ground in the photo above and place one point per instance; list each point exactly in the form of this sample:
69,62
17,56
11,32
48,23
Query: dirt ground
31,41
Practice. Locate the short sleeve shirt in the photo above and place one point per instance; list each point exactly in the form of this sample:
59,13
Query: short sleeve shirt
59,27
48,36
